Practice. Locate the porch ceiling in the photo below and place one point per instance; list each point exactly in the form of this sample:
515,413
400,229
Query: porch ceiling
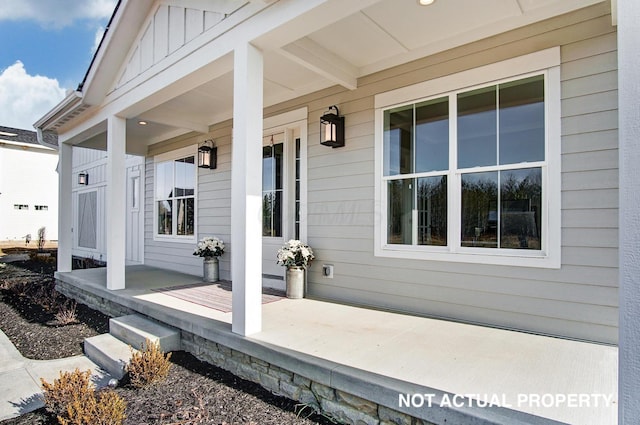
376,37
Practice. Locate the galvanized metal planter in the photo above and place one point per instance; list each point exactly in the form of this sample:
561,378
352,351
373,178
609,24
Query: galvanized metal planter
295,282
210,269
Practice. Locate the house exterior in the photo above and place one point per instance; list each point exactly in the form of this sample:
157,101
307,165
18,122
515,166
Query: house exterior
89,208
28,185
479,181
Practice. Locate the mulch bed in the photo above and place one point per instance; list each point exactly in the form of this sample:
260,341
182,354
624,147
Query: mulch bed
194,393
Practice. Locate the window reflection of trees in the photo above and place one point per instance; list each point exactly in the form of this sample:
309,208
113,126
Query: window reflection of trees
514,222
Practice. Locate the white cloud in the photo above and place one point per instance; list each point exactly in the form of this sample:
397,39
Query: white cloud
55,13
97,38
26,98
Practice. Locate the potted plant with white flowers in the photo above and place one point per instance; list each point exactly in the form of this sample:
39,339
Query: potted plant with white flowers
296,257
210,248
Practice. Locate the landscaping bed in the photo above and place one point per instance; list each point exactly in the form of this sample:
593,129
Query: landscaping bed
195,392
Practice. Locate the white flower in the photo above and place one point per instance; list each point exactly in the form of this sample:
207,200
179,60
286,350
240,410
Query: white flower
209,247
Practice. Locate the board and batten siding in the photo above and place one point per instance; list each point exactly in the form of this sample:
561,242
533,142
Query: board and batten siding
94,163
213,206
579,300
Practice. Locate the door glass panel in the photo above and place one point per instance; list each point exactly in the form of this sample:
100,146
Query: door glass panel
480,210
477,128
272,189
432,136
521,204
522,121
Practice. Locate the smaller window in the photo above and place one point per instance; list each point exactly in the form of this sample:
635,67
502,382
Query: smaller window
175,200
20,206
41,207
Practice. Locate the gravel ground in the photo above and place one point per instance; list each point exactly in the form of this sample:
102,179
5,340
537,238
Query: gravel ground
194,393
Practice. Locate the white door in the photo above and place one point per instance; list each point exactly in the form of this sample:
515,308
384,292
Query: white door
282,197
135,235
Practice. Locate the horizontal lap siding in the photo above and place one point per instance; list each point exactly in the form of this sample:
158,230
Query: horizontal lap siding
580,299
213,207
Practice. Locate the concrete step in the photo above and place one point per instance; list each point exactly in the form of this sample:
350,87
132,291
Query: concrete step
109,353
135,329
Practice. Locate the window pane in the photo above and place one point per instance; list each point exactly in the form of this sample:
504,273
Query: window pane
400,208
279,158
164,217
135,192
164,180
267,213
432,136
185,219
185,177
521,206
277,214
272,181
272,214
480,210
398,138
268,167
432,211
477,135
522,121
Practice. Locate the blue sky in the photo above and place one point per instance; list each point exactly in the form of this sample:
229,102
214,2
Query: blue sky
45,49
60,53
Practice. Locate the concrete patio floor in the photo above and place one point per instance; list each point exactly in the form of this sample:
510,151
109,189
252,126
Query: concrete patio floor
399,355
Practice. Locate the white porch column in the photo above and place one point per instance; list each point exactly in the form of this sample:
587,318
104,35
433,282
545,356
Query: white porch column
246,191
65,210
115,213
629,154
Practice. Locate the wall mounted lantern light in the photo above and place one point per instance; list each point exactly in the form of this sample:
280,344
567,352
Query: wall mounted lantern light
83,178
208,155
332,128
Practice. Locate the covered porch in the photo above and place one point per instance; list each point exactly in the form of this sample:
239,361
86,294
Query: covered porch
513,377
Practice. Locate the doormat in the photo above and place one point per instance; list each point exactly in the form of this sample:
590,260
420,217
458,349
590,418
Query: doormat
214,295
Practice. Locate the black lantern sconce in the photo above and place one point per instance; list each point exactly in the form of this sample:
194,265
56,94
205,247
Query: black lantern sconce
332,128
83,178
208,155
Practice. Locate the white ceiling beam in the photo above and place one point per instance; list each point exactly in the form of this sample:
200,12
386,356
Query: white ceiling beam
311,55
169,118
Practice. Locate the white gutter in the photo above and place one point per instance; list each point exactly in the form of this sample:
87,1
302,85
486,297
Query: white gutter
26,145
68,104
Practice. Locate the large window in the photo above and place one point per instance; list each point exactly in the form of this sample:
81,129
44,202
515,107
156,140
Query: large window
175,197
471,174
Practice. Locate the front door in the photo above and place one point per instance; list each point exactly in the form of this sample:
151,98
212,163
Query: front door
281,198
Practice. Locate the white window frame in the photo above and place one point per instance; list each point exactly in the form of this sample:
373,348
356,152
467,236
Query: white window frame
191,150
544,61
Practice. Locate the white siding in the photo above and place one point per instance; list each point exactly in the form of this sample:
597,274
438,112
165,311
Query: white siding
213,205
579,300
94,163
